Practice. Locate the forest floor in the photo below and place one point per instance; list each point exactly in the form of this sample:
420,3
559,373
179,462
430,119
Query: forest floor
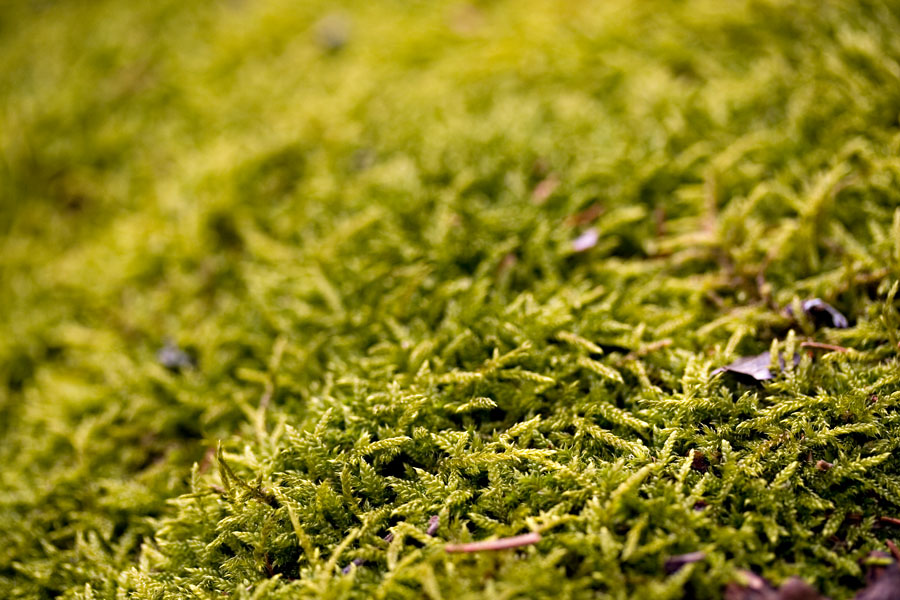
301,300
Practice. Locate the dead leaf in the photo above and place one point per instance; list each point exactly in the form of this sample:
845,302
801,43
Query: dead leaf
700,462
543,189
758,588
755,588
585,217
358,562
466,20
586,240
753,369
822,313
885,587
333,32
433,523
797,589
876,563
174,358
675,563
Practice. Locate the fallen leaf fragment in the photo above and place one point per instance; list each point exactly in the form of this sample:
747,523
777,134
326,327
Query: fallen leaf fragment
543,189
755,588
753,369
797,589
174,358
700,462
356,562
433,523
675,563
332,32
876,563
822,313
586,240
517,541
758,588
585,217
466,20
885,587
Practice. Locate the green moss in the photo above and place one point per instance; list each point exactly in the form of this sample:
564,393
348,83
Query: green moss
360,224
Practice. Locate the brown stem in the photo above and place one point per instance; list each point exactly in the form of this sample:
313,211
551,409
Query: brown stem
501,544
822,346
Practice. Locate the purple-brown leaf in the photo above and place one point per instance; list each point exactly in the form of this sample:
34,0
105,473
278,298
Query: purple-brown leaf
822,313
886,587
675,563
758,588
586,240
753,369
433,523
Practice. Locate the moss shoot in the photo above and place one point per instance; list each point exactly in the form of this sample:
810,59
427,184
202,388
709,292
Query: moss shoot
426,300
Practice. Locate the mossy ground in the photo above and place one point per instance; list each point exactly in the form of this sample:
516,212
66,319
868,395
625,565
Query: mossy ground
359,221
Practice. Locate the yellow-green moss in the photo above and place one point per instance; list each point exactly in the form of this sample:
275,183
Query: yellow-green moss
358,220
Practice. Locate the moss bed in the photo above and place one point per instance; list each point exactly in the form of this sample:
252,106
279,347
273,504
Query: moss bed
294,295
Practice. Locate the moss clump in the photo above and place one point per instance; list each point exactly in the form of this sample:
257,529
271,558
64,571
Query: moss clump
359,226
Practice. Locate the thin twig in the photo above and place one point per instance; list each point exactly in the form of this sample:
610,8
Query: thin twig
823,346
891,520
501,544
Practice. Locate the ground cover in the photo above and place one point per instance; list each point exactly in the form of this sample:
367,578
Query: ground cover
294,296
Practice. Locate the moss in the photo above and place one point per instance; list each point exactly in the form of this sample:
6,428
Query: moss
365,249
